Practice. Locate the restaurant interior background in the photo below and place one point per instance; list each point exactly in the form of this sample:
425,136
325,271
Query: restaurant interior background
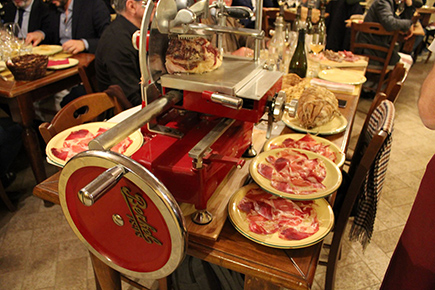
38,250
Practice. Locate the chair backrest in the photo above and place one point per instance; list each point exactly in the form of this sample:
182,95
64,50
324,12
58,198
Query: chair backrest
367,171
395,82
84,109
375,52
88,76
269,16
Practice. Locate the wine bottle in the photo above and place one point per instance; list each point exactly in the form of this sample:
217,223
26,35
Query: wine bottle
309,28
298,63
297,22
321,26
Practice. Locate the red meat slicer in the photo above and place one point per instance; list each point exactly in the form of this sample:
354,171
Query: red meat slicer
199,128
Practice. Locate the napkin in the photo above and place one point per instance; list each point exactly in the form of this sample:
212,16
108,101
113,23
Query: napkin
337,87
52,62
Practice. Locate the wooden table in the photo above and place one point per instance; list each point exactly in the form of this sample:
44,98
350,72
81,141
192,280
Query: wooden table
20,96
425,14
264,267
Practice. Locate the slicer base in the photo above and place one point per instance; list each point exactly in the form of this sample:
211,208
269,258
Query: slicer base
202,217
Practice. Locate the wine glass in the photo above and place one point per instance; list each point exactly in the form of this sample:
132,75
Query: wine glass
318,43
13,29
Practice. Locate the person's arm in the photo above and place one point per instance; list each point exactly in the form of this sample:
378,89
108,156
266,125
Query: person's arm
426,101
385,12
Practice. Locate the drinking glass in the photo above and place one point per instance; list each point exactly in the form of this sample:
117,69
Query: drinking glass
13,29
317,43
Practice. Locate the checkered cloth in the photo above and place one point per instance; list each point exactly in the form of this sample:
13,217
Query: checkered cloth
362,227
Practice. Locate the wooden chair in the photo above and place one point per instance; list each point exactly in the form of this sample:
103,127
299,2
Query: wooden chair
269,16
88,76
374,139
395,82
359,47
84,109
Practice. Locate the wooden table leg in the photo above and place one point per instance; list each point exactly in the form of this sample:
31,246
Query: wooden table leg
23,112
31,144
106,277
254,283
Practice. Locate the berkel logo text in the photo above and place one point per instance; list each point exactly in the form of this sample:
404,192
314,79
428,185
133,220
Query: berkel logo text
137,204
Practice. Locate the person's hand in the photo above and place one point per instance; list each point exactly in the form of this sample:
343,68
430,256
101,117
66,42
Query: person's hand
34,38
409,33
74,46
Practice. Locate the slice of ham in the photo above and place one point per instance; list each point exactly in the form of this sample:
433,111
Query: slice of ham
307,143
53,62
293,172
77,141
268,214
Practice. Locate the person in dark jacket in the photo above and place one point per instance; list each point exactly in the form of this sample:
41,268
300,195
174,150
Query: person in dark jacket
384,12
34,15
77,25
116,60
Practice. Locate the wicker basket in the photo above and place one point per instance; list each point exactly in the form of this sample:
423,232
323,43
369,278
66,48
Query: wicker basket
28,67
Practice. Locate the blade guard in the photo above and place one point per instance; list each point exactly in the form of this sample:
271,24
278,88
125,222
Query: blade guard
136,227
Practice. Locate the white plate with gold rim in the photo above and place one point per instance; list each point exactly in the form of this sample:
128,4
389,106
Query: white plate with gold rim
71,62
336,125
342,76
331,182
278,141
325,217
47,49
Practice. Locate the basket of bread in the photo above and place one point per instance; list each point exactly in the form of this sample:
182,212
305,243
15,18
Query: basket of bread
28,67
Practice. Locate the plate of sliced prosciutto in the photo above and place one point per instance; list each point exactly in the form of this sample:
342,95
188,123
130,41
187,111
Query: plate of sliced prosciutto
69,142
279,222
295,173
308,142
337,125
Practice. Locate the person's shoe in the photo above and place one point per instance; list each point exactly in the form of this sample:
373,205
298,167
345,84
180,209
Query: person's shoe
7,179
368,94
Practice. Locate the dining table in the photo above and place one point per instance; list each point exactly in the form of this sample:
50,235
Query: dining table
265,268
20,96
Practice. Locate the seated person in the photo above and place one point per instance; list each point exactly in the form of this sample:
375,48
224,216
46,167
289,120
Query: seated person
117,62
77,25
250,23
31,15
384,12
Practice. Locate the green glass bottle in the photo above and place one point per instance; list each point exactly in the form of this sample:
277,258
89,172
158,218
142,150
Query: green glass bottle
298,63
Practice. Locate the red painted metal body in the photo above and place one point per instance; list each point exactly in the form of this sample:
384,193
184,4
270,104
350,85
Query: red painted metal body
167,157
146,248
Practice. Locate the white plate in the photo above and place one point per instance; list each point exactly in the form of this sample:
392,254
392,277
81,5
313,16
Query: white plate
340,156
331,182
58,140
325,216
342,76
46,49
335,126
71,62
124,114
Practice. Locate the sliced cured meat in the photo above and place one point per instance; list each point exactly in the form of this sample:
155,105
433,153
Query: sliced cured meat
269,214
293,172
192,55
307,143
77,141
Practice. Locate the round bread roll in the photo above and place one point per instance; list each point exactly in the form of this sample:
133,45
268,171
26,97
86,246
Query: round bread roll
317,106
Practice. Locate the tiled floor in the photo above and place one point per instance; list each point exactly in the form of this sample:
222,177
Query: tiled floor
39,251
